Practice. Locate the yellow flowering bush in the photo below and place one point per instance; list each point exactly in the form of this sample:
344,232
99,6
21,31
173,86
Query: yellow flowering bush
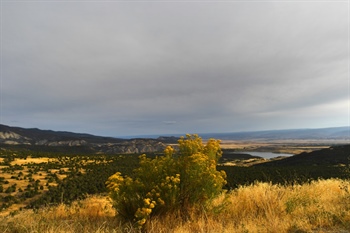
182,179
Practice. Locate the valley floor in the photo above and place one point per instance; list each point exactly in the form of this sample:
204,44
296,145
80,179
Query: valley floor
288,146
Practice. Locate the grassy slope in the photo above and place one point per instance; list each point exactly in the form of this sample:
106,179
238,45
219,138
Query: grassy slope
321,206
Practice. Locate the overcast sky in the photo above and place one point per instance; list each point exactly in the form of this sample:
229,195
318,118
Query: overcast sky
118,68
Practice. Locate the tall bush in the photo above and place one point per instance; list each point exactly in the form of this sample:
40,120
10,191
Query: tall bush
183,179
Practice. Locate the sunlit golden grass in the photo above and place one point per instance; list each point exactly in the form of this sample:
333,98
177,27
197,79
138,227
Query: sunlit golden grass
30,160
94,214
311,207
321,206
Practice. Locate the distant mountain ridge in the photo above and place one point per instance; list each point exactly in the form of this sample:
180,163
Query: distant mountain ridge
10,135
320,133
342,132
36,137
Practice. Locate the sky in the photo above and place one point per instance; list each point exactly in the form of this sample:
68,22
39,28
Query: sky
123,68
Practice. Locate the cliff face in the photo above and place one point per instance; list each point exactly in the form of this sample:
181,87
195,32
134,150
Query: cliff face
36,137
133,146
12,138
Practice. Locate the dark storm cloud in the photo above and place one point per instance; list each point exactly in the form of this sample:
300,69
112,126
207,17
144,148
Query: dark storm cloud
119,68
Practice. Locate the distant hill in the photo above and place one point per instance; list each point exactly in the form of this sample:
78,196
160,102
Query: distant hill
317,134
17,136
334,155
36,137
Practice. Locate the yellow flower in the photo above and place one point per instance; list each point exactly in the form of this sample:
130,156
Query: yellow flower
147,211
176,180
169,150
160,201
147,201
141,222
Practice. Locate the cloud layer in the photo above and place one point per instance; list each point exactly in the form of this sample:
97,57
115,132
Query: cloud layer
128,68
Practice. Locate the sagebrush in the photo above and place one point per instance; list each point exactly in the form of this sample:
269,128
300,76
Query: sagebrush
178,182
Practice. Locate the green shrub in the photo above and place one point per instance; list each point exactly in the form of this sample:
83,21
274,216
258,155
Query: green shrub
180,181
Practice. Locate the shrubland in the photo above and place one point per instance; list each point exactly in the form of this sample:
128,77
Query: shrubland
178,191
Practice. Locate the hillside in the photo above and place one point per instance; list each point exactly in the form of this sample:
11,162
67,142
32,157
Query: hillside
34,136
48,139
334,155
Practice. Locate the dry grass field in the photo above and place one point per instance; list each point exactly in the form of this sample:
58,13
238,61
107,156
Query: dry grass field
30,160
321,206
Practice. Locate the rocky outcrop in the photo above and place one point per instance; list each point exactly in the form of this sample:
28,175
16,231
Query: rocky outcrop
12,138
133,146
61,143
9,135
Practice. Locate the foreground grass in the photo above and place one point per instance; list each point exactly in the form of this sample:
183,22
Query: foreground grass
320,206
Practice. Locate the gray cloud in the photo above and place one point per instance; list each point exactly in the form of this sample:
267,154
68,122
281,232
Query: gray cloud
123,68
